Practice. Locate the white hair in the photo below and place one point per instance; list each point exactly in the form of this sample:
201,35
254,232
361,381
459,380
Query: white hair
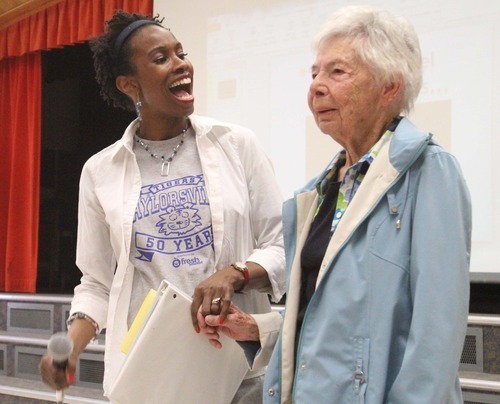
387,43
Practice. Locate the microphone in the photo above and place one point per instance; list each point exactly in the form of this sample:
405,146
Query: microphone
59,348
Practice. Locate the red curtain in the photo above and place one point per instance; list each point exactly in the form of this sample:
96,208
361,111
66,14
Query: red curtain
64,23
19,171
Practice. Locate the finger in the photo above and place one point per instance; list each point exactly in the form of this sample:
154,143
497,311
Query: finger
70,377
212,321
59,379
206,306
215,343
213,334
204,326
195,306
52,376
210,333
224,308
44,366
215,306
201,319
71,368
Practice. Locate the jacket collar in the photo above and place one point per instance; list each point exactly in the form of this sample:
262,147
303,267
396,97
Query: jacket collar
126,143
405,147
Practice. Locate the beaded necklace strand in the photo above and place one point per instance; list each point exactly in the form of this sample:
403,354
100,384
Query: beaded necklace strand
165,161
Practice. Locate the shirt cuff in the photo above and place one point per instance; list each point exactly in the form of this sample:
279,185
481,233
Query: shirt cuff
258,353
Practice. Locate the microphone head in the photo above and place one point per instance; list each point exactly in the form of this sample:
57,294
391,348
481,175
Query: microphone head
60,347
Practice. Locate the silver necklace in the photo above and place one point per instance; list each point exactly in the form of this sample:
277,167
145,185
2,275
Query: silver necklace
165,161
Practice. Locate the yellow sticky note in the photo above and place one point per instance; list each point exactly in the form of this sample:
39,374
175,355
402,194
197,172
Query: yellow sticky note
138,321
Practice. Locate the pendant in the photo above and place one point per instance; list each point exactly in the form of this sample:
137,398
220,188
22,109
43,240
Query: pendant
165,168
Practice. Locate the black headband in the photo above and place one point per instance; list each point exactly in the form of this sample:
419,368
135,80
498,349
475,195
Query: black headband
127,31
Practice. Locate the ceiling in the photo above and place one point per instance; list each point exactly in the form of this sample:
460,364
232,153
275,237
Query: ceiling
12,11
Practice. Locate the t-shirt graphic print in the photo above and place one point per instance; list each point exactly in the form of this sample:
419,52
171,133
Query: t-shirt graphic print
172,234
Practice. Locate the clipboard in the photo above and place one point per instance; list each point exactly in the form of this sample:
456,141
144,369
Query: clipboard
168,362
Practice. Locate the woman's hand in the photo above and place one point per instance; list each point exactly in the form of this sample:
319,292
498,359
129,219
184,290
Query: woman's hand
214,294
238,325
56,377
81,333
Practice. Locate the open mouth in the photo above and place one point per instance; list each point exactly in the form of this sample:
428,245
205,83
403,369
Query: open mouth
181,88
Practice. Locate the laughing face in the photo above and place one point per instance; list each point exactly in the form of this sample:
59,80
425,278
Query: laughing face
163,74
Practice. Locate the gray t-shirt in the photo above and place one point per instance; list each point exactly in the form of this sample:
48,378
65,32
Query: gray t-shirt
172,229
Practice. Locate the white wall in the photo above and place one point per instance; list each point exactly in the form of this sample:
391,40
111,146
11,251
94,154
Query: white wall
252,63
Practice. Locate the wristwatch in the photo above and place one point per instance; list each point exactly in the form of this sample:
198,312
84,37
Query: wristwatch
240,266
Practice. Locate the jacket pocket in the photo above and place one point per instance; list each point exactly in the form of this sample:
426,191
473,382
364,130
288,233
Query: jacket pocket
361,348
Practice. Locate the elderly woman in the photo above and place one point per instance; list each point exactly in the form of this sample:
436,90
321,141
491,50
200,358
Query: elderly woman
378,244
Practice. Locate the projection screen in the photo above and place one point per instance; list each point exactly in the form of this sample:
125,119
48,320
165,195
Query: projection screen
252,66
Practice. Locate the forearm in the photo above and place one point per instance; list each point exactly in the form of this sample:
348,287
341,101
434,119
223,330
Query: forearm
258,277
81,332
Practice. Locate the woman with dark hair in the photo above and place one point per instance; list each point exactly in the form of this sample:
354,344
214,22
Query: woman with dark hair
179,197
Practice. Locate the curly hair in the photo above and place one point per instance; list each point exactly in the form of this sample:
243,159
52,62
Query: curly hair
108,65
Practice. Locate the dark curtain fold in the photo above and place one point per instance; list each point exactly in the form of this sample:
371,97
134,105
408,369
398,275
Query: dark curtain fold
65,23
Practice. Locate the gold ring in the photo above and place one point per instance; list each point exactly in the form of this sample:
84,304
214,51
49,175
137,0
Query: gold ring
217,300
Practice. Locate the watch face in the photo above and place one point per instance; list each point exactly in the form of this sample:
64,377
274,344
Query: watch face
237,265
241,267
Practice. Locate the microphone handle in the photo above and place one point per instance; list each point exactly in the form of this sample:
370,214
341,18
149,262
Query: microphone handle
60,365
59,396
60,393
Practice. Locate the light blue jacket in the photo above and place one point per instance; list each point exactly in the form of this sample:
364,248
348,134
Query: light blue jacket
387,321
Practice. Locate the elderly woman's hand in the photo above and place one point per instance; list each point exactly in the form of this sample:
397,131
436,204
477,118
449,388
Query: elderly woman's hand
238,325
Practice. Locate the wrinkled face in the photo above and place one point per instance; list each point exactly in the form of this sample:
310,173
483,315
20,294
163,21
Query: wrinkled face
163,74
343,96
